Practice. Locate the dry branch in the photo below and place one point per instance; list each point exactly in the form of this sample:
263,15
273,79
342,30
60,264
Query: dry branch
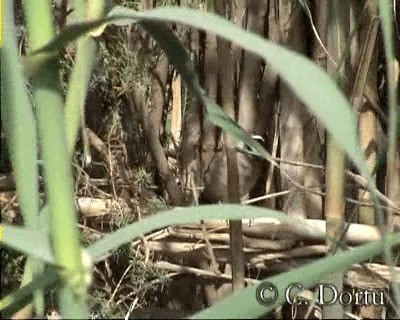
356,276
302,252
176,248
260,228
310,230
254,243
198,272
151,121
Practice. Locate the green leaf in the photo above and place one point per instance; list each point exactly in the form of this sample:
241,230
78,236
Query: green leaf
386,12
309,82
38,59
244,305
19,124
39,245
69,34
180,59
30,241
182,215
23,296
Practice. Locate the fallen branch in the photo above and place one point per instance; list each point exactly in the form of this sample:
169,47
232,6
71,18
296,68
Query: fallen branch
312,230
302,252
176,248
255,243
198,272
357,276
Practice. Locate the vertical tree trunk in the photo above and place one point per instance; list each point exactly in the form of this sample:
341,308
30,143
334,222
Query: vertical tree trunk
156,108
210,76
267,103
251,73
367,118
227,85
190,148
294,116
338,29
316,133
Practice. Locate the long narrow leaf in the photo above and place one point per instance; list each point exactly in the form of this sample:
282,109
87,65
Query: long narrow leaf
386,10
20,298
314,87
184,215
244,305
19,123
37,247
56,163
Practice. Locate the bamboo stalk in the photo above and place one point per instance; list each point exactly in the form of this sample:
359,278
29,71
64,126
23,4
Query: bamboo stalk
335,167
227,88
58,175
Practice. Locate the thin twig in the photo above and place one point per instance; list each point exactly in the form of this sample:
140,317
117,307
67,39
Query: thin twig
199,272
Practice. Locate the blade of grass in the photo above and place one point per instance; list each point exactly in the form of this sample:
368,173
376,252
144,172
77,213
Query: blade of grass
182,215
38,246
243,304
386,10
58,175
20,298
19,124
328,104
77,89
278,57
20,129
287,65
80,76
38,59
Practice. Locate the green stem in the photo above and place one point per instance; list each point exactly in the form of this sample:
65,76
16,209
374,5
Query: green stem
57,170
